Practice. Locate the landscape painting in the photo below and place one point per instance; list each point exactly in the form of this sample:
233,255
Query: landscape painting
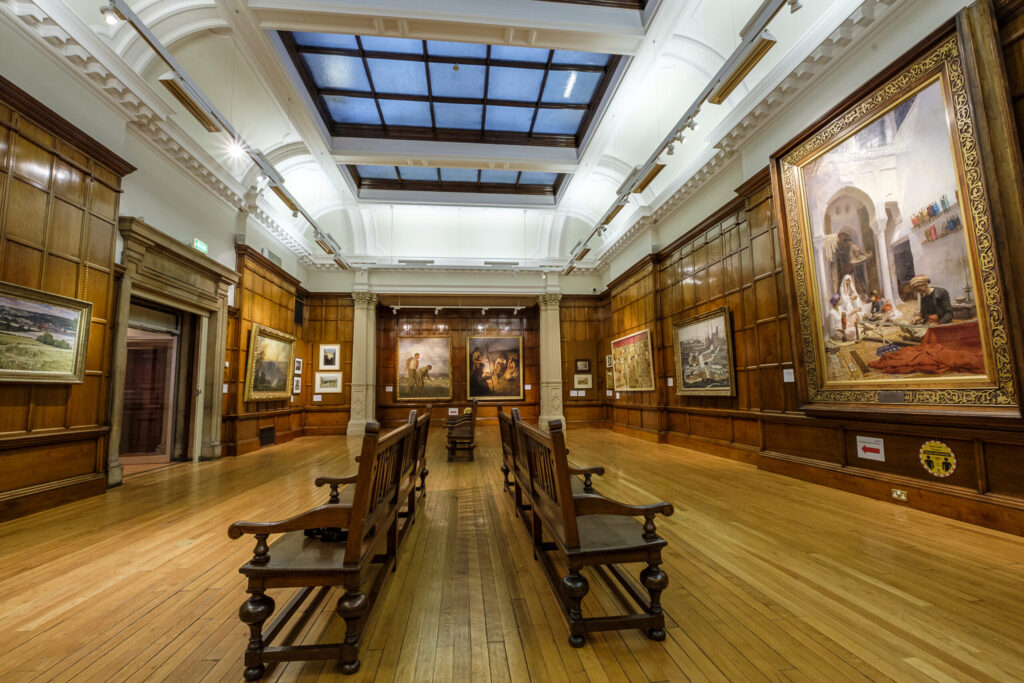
882,219
495,368
43,337
632,362
271,363
327,383
704,358
424,369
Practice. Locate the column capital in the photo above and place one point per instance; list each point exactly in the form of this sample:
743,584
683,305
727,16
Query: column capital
549,300
365,298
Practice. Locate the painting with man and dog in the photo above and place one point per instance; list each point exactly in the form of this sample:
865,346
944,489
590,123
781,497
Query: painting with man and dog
495,367
424,368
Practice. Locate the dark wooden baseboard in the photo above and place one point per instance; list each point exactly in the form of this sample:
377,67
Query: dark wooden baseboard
26,501
732,451
645,434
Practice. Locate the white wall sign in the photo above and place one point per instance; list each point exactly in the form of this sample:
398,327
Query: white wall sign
671,381
788,375
528,387
225,388
609,392
453,411
616,395
389,388
317,397
871,448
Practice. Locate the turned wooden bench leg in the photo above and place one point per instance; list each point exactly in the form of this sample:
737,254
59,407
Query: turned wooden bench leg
351,607
575,586
423,481
655,581
504,471
254,612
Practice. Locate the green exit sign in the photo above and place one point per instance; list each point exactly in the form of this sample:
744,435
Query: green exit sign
200,245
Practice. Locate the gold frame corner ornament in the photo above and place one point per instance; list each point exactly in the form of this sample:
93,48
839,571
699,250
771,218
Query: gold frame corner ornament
941,62
258,330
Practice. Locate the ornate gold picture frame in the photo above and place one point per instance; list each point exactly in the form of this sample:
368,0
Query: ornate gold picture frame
43,337
423,368
269,365
494,368
633,362
886,218
702,346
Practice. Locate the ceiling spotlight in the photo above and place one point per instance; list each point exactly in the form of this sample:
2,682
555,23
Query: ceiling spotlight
671,149
109,14
455,67
795,6
436,311
483,311
236,149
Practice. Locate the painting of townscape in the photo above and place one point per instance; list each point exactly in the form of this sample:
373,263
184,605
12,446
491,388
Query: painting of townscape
43,337
495,367
424,369
703,350
271,359
632,362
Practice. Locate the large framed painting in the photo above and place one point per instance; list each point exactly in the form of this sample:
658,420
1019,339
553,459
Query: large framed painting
494,368
270,363
885,215
424,368
704,358
633,363
43,337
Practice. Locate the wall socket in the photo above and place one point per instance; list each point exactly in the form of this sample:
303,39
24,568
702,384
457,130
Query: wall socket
900,495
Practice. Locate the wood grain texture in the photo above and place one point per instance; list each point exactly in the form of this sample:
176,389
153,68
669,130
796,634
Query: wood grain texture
771,578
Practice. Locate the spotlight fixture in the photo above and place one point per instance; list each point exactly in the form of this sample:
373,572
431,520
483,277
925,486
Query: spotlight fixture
795,6
745,63
671,149
110,15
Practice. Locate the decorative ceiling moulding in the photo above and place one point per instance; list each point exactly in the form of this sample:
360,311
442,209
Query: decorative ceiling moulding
792,73
84,55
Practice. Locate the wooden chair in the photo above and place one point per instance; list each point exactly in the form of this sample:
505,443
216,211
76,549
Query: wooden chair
462,433
590,530
371,520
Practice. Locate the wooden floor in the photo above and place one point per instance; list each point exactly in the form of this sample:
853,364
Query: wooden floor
770,579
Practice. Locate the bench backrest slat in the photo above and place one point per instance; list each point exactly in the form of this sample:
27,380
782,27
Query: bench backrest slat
381,462
551,490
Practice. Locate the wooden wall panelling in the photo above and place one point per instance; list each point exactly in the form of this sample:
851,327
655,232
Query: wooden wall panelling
59,194
328,321
460,324
582,324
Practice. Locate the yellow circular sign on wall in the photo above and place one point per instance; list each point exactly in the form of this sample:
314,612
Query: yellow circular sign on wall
938,458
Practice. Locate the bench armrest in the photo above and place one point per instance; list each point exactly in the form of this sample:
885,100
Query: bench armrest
587,472
592,504
334,483
323,516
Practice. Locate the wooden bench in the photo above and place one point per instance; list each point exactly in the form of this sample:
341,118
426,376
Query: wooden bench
590,530
462,433
517,466
370,518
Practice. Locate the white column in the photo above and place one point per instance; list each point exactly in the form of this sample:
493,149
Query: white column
364,362
550,360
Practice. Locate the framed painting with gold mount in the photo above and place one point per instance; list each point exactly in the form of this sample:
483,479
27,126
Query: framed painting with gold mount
269,365
885,215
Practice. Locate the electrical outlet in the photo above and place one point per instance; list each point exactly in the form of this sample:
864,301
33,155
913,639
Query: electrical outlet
900,495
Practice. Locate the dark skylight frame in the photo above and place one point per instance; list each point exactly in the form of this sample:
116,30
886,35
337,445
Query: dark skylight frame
393,88
476,181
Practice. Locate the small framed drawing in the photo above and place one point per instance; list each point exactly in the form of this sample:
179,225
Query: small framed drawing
582,365
330,357
609,381
43,337
327,383
298,366
583,381
608,361
297,385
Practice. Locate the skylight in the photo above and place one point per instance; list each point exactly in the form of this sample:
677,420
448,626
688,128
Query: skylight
433,179
368,86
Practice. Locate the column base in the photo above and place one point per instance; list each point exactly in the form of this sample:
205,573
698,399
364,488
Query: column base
115,475
543,421
356,428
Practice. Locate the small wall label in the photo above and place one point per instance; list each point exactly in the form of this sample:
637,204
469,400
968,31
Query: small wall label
453,411
317,398
389,388
788,375
938,458
871,448
671,381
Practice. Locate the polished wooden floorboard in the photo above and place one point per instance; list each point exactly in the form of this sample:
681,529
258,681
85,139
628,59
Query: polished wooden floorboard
771,578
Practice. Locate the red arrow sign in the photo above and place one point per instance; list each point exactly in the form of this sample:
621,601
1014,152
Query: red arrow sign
868,449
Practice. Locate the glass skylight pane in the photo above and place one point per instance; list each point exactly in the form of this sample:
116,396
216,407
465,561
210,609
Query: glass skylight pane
515,119
457,115
504,177
537,178
405,46
468,81
406,113
570,87
335,71
458,175
443,48
336,40
377,172
581,58
352,109
521,85
398,77
558,121
519,54
418,173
